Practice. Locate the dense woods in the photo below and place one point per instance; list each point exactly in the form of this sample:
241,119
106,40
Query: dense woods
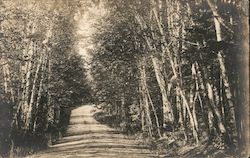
175,70
42,75
171,71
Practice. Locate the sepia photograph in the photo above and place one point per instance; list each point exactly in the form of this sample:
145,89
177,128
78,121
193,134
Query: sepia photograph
124,79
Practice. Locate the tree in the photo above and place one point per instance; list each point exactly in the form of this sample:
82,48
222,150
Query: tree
42,76
190,47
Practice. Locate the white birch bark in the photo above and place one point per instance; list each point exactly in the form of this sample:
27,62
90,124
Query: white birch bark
33,93
228,93
168,114
40,91
167,110
145,101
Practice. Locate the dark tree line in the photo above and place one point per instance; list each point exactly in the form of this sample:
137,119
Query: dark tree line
175,69
41,74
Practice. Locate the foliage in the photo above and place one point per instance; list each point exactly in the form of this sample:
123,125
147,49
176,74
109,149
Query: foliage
187,68
42,77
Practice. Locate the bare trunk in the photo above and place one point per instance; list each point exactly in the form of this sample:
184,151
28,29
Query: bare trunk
217,22
50,116
142,111
155,114
167,110
193,96
33,93
8,89
145,101
221,126
25,89
227,89
182,114
192,123
40,91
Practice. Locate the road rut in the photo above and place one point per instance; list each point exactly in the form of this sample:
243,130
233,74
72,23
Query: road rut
86,137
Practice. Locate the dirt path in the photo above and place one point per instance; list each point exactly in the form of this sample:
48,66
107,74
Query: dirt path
88,138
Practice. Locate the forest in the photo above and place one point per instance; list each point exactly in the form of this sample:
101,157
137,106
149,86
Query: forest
172,72
42,75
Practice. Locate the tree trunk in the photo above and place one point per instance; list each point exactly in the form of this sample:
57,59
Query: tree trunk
50,114
8,89
193,96
221,126
217,22
33,93
191,118
145,101
159,76
40,91
166,49
154,111
167,110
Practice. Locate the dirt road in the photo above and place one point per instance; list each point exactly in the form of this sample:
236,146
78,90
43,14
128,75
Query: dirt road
88,138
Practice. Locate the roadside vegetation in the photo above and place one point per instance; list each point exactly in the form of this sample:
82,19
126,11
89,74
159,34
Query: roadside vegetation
172,73
175,71
41,74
